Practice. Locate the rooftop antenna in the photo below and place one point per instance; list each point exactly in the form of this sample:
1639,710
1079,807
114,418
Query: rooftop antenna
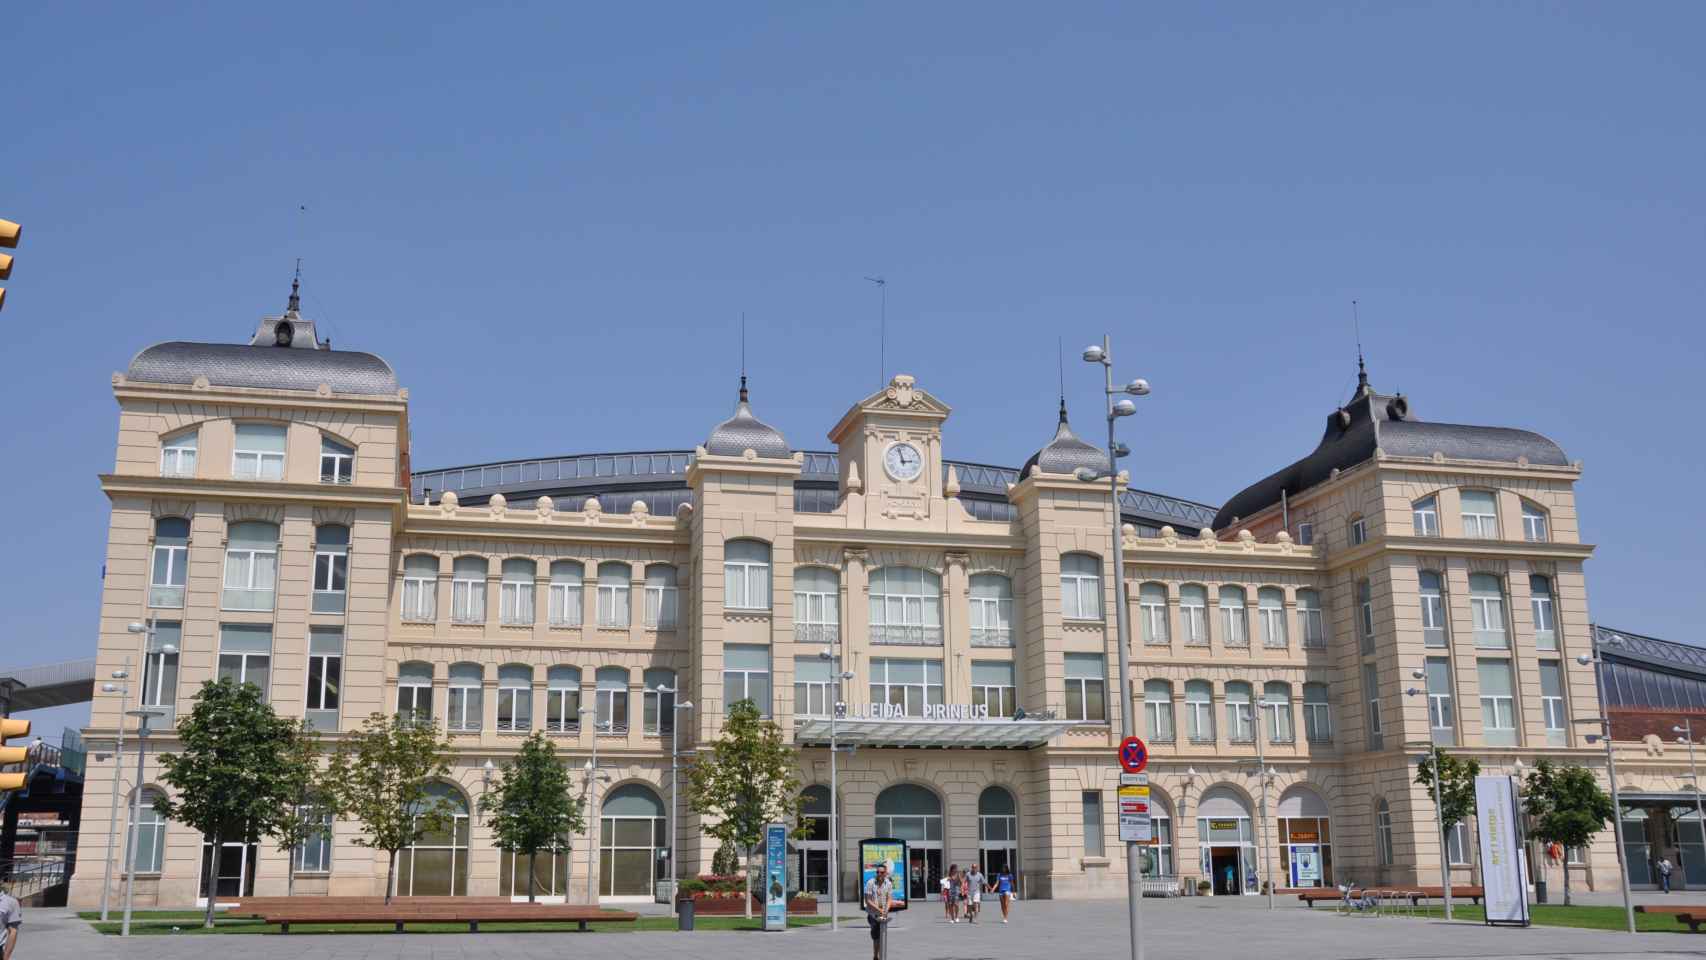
882,333
1362,372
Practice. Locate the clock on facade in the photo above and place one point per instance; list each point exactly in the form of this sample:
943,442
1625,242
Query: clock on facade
903,461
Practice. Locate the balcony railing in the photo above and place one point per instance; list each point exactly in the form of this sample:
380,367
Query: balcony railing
159,596
910,635
991,637
816,632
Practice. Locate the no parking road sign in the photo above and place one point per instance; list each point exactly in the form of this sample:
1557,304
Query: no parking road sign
1134,756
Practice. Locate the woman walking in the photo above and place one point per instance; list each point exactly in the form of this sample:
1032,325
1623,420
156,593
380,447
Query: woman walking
948,895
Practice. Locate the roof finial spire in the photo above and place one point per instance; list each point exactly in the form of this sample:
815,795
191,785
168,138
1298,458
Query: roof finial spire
295,290
1060,364
1362,371
743,356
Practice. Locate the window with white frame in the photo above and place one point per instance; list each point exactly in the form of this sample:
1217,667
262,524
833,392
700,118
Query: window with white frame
259,452
1305,534
1276,708
245,655
314,853
1498,703
1534,526
746,676
1576,856
467,703
1086,687
562,699
1152,613
325,678
1457,844
612,699
1234,625
1487,608
1359,531
251,566
171,562
1431,596
1442,713
817,605
1383,833
1317,713
1199,711
1371,695
567,594
331,568
515,698
177,455
615,582
662,600
160,669
1552,702
337,462
149,834
414,692
906,606
1365,615
1158,710
992,685
1193,614
420,588
1091,804
814,687
1545,617
991,610
910,685
746,575
468,589
1480,514
657,711
1424,514
515,591
1313,619
1080,586
1240,721
1270,610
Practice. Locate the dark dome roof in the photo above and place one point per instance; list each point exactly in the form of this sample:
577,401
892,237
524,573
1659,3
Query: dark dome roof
1066,453
743,432
266,367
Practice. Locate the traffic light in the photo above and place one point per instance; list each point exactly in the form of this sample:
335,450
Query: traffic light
10,728
8,238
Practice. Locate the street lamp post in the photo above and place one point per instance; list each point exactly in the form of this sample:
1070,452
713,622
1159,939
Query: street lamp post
1687,731
1116,409
1604,722
1439,807
834,658
589,792
676,707
1265,775
143,716
123,690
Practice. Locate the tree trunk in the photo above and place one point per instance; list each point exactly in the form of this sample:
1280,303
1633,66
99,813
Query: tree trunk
390,876
749,883
290,878
1566,878
532,855
213,879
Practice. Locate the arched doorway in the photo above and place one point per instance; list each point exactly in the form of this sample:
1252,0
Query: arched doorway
912,813
997,832
812,850
630,837
1226,837
436,865
1306,841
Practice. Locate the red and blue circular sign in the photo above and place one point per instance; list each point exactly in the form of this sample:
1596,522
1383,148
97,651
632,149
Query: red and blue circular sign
1134,756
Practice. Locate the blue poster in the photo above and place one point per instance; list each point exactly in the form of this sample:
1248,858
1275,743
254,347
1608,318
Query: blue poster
775,877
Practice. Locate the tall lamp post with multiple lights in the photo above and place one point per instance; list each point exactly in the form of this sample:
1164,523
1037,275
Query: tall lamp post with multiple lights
1604,721
1439,807
833,655
150,636
1687,731
1118,408
590,795
122,688
677,707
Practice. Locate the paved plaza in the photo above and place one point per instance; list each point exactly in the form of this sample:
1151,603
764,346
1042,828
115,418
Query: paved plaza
1174,930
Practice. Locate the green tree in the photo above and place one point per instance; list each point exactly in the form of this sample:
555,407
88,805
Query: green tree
235,774
744,781
532,808
1456,789
1567,807
304,820
379,777
725,862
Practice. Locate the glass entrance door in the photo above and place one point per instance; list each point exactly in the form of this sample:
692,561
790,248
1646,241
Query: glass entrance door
813,869
236,871
923,872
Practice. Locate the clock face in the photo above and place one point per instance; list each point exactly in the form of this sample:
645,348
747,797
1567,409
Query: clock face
903,461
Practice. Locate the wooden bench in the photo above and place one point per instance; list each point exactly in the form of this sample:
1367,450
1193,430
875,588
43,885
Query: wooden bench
1693,916
285,911
1413,894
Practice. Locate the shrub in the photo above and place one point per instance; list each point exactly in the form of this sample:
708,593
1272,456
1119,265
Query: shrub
691,886
726,861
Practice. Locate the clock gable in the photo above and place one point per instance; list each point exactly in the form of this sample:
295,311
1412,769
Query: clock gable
891,451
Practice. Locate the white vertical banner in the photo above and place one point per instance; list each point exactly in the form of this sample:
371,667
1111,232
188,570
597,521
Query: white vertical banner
1501,850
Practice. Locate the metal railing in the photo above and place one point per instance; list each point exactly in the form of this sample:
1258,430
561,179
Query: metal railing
26,876
991,637
906,635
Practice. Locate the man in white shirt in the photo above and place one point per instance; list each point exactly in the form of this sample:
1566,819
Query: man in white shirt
879,895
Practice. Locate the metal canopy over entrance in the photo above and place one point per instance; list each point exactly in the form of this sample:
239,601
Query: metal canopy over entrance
944,734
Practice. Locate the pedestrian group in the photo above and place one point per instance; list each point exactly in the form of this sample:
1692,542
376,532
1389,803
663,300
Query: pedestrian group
962,893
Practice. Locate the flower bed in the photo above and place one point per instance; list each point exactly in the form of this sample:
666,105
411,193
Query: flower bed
720,905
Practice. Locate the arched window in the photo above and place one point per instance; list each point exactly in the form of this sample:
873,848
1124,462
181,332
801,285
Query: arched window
997,832
1534,527
909,812
661,597
1432,598
633,833
414,692
991,610
1276,705
337,461
1424,516
149,838
562,699
1239,728
177,454
1155,861
1193,614
1306,839
817,605
1270,609
466,705
1480,514
1199,711
612,699
1158,710
906,606
1152,613
1314,621
515,698
436,865
746,575
171,562
258,453
1317,713
251,566
1224,821
1383,833
567,598
1234,628
1487,606
331,567
468,589
659,707
420,588
1545,619
515,592
1359,530
615,580
1365,615
1080,587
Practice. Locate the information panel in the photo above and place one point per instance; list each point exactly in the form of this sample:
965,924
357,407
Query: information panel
1135,823
775,876
1501,850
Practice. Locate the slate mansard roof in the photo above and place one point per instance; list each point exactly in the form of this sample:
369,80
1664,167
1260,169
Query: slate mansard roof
265,367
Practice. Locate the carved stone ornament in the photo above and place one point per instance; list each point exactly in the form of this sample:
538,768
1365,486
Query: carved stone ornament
1247,540
639,511
1169,536
447,503
900,390
593,508
1206,538
952,487
546,506
499,505
854,484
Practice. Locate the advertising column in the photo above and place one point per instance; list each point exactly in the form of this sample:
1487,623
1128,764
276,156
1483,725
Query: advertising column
1501,850
775,876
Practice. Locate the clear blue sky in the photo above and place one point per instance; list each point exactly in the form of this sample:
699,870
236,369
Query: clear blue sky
550,218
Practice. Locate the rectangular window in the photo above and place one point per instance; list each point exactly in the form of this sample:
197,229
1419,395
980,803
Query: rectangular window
1457,844
1317,713
562,700
1534,524
468,592
1193,615
414,693
1480,515
1080,587
1487,610
160,669
746,575
1199,711
1305,534
1442,715
420,589
1432,601
613,592
1234,628
1152,613
662,599
1545,619
1085,680
1158,712
1092,804
657,709
911,685
814,687
1314,621
337,462
746,675
1371,694
466,704
566,600
1425,516
331,579
325,677
817,606
1359,531
177,456
1552,702
1498,703
314,854
515,700
1365,615
171,567
991,613
259,452
1240,719
611,700
992,686
245,654
251,567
